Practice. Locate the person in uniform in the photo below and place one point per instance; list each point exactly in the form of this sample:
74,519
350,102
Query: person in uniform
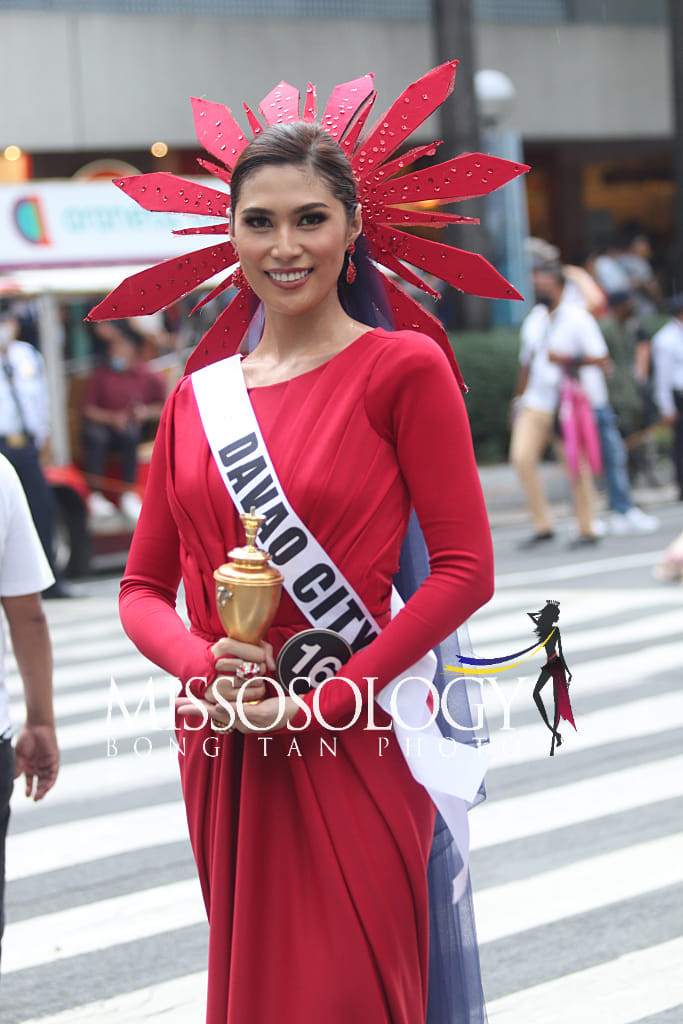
24,429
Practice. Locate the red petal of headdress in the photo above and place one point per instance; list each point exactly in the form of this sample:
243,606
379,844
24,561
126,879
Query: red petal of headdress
344,103
221,287
395,215
165,193
207,229
157,287
413,315
350,137
218,172
311,105
413,106
218,131
466,177
253,120
390,262
225,335
390,168
280,105
467,271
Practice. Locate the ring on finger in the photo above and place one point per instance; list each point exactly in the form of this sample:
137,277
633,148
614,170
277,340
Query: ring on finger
246,669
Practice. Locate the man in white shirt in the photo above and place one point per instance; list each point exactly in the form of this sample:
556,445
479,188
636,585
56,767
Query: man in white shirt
534,410
24,572
610,274
559,336
578,345
667,355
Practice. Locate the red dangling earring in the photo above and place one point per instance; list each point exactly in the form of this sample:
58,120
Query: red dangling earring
239,280
351,267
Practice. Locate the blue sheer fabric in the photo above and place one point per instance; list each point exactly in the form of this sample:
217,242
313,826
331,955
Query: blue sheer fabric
455,990
455,993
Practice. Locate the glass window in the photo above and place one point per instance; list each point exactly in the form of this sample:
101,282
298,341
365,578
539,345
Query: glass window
551,12
418,9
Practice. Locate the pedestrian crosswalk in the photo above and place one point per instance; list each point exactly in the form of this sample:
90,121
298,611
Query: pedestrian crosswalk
577,860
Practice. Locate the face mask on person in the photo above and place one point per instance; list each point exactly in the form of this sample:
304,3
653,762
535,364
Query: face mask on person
118,364
6,335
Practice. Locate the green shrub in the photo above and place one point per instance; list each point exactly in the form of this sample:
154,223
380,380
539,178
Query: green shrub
488,361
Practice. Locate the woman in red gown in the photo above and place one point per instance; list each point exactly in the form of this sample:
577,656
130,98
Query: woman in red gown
312,864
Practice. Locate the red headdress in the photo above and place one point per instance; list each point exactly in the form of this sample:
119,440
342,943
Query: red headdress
384,192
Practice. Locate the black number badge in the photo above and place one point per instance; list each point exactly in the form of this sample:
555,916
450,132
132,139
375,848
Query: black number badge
315,655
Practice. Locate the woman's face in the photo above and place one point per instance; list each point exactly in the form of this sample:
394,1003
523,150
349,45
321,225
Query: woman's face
291,234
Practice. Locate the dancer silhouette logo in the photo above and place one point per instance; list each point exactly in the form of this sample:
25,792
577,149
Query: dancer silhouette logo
555,668
548,633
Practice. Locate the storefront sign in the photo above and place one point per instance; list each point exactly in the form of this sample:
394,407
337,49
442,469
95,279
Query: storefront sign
75,224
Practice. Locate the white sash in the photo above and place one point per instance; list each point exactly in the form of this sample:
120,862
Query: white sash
450,772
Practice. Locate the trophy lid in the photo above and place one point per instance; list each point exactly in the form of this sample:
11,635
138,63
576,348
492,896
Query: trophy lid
249,559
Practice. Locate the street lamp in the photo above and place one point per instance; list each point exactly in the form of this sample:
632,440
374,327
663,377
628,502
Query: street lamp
507,217
496,96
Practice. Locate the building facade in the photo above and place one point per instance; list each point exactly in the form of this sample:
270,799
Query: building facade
91,80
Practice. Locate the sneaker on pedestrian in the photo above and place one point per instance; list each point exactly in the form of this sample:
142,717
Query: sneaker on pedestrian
536,538
641,521
583,540
131,505
99,507
598,527
634,520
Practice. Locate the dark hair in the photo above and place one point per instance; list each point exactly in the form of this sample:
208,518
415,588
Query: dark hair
123,328
303,145
555,270
129,332
545,619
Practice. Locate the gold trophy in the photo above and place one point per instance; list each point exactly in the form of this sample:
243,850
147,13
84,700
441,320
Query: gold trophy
248,588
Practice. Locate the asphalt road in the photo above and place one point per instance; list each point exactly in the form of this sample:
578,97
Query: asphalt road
579,914
577,861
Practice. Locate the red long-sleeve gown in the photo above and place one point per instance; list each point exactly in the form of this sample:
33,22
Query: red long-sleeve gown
313,866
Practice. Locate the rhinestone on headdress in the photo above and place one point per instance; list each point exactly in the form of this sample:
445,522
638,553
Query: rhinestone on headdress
389,200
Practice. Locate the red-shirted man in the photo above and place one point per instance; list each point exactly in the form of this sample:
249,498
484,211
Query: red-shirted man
121,397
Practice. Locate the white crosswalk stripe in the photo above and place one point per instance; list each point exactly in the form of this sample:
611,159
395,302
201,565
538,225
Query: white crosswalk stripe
118,774
77,842
594,882
591,799
50,937
180,1001
118,891
621,991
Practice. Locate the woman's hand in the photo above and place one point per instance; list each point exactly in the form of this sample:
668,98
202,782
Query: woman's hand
260,718
231,656
36,755
270,715
236,662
